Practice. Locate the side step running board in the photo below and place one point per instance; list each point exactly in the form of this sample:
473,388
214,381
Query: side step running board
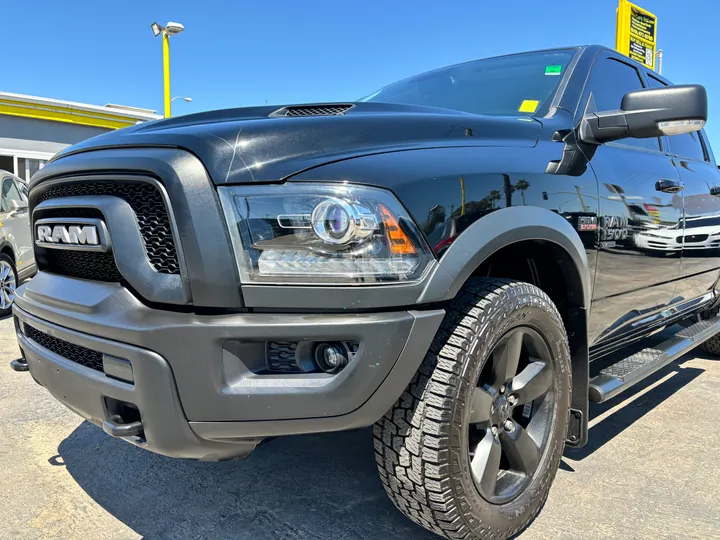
629,371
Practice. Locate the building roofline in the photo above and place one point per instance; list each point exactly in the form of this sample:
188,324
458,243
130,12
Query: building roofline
109,116
120,110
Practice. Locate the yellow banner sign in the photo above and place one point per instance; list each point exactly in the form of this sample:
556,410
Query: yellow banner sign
636,33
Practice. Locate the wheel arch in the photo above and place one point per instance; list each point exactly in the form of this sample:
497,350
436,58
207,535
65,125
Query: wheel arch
503,228
6,247
517,228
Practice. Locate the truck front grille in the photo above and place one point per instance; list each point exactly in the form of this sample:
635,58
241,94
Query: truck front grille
146,201
70,351
94,265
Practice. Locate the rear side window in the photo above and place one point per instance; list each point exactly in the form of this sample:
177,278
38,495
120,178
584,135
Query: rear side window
610,80
687,145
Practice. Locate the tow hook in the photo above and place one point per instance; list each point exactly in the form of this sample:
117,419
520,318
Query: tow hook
115,427
19,364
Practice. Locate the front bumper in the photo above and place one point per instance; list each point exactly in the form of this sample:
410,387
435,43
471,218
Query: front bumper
190,380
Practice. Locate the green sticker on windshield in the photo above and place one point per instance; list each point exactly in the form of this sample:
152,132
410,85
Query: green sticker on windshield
553,70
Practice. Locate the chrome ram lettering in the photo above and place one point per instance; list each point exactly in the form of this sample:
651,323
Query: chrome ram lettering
74,234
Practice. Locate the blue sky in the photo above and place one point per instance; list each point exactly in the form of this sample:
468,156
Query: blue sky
243,52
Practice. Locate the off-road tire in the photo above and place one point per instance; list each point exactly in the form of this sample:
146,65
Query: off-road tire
420,446
712,345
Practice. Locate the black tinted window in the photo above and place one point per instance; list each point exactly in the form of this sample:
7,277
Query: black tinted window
517,85
609,82
687,145
655,83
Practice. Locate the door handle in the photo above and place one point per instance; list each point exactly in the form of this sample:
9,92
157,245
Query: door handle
669,186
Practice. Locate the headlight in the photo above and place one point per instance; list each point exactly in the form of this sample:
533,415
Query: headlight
322,234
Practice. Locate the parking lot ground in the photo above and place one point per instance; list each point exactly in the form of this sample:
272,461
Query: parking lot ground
651,470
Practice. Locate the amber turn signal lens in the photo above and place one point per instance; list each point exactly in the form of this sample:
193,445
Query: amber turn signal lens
398,241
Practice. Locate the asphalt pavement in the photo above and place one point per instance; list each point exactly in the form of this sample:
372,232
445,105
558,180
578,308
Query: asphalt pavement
650,471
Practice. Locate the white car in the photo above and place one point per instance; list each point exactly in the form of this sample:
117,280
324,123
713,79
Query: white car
701,233
17,261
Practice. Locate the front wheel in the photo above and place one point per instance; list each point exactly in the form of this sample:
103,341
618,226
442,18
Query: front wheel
8,282
472,446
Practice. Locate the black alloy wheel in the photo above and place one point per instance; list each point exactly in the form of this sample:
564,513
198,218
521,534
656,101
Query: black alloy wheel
472,446
510,417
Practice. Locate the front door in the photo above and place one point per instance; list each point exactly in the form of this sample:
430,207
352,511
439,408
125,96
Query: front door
635,270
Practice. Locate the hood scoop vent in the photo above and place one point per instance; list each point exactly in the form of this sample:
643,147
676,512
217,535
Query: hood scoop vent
335,109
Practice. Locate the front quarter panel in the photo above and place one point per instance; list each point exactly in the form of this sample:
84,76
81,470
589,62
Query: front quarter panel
471,202
481,199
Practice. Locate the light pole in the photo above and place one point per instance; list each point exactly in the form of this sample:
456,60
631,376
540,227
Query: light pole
188,99
168,30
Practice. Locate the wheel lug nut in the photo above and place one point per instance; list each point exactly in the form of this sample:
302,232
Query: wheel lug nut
494,430
509,426
512,399
502,389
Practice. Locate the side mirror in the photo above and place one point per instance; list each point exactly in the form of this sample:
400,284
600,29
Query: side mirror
16,206
650,112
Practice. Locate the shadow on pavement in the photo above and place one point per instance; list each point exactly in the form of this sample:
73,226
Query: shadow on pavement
323,486
311,487
628,414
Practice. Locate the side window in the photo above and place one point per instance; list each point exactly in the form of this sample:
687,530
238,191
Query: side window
687,145
22,188
610,80
9,193
709,157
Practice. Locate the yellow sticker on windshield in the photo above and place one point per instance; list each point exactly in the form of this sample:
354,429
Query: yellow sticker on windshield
529,105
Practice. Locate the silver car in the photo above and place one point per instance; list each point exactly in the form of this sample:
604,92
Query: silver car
17,261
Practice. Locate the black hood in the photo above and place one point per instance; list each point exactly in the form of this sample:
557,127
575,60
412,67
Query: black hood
268,144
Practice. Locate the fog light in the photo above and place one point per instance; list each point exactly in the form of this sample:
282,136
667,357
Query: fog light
331,357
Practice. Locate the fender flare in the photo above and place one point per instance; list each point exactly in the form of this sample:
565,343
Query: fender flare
500,229
516,224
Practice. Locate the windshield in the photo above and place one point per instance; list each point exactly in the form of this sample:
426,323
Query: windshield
518,85
691,223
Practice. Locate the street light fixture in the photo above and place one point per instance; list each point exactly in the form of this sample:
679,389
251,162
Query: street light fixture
170,29
173,28
188,99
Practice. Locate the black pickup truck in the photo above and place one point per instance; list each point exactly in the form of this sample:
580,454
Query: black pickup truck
464,259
